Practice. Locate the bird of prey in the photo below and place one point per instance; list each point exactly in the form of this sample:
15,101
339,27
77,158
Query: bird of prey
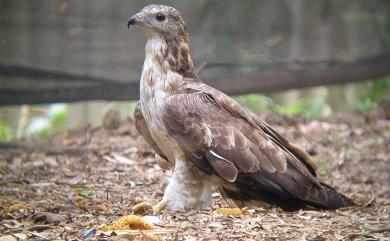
211,140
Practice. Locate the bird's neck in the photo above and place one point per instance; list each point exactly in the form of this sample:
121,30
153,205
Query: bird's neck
167,64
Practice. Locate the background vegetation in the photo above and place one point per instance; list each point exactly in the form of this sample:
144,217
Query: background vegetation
89,38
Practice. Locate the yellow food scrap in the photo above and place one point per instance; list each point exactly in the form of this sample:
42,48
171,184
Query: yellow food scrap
228,211
129,222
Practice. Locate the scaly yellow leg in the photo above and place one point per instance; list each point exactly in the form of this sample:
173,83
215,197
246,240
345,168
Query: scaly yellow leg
159,207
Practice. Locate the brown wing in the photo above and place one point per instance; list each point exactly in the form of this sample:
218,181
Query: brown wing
142,128
236,110
221,137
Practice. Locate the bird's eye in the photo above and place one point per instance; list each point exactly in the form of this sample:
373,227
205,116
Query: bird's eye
160,17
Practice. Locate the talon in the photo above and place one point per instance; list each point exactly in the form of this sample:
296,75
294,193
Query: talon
159,207
141,208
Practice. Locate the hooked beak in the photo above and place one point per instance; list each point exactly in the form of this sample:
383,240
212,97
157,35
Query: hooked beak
133,20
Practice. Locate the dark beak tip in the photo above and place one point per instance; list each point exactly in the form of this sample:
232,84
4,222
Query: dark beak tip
133,20
130,22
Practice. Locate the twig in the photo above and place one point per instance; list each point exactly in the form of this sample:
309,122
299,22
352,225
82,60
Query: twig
381,230
370,201
23,120
356,235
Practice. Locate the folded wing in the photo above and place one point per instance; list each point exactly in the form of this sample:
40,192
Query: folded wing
255,162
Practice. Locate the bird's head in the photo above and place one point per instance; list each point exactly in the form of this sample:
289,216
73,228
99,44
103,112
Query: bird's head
163,21
164,24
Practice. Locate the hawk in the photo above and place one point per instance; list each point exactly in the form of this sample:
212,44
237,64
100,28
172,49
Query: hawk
211,140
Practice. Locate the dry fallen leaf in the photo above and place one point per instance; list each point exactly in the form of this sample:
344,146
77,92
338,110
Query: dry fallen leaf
101,208
149,237
7,238
16,207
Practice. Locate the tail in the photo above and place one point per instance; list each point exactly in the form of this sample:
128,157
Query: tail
255,193
333,199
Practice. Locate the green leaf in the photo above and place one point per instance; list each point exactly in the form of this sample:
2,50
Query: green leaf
365,104
5,132
58,116
292,109
255,102
82,192
45,133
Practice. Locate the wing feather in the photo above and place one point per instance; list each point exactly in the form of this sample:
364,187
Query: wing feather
221,137
142,128
200,125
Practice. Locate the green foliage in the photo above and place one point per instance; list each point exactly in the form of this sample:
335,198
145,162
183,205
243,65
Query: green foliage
316,106
58,117
132,105
255,102
312,106
377,93
82,192
365,104
44,133
5,132
294,108
49,123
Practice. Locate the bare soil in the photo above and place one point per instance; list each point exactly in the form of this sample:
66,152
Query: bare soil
57,189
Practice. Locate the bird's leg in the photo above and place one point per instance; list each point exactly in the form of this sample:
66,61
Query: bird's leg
188,188
159,207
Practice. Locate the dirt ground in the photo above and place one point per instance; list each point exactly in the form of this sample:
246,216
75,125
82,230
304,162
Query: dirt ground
58,189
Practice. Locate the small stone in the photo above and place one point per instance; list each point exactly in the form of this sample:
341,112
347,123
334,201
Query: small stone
111,120
46,217
21,236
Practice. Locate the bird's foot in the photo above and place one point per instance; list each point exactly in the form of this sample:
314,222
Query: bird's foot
159,207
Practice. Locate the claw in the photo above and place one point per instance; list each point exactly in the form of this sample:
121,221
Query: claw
159,207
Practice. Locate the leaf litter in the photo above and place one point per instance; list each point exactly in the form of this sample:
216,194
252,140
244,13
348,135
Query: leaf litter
69,186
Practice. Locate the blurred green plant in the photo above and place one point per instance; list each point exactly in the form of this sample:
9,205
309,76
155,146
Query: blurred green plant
255,102
82,192
375,95
5,131
47,124
312,106
294,108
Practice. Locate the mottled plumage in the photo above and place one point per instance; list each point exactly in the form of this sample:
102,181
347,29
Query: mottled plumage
210,139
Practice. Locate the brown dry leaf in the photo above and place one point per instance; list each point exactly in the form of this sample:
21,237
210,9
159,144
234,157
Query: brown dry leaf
228,211
149,237
129,222
124,237
101,208
7,238
80,199
16,207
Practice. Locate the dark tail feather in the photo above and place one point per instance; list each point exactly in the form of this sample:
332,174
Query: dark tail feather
334,199
325,197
